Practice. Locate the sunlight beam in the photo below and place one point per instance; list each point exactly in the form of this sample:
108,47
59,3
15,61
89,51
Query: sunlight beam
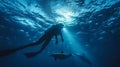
73,43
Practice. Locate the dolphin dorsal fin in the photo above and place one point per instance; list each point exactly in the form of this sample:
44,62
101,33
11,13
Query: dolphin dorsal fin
62,51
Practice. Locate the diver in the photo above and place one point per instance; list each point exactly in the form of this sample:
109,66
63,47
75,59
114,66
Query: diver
54,30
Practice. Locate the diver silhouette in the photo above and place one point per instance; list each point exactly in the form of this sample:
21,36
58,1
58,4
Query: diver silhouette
54,30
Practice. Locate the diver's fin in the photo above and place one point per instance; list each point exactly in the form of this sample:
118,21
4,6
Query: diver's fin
7,52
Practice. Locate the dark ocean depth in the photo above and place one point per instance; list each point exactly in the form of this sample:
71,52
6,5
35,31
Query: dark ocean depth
91,33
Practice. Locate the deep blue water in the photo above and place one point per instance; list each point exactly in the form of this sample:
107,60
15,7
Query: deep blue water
92,27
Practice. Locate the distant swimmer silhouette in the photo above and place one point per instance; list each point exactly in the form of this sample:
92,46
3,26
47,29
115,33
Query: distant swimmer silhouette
54,30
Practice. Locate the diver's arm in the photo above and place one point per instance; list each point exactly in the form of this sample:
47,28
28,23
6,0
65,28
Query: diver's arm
56,39
61,37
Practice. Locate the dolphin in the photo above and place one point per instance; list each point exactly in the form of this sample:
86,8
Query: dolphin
60,56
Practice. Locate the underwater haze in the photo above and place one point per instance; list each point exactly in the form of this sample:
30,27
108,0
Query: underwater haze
91,32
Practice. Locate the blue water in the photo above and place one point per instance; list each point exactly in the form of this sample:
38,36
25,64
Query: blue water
92,27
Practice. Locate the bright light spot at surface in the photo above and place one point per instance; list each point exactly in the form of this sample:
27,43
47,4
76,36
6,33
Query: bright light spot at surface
65,16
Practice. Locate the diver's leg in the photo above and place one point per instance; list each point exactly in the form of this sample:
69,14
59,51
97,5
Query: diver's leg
10,51
44,45
56,39
38,42
32,54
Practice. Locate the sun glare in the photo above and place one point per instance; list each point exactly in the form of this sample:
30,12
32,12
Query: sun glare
65,16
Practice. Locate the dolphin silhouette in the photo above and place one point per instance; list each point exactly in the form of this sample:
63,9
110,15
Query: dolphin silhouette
60,56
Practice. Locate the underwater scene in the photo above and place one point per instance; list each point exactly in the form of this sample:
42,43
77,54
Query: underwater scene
59,33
